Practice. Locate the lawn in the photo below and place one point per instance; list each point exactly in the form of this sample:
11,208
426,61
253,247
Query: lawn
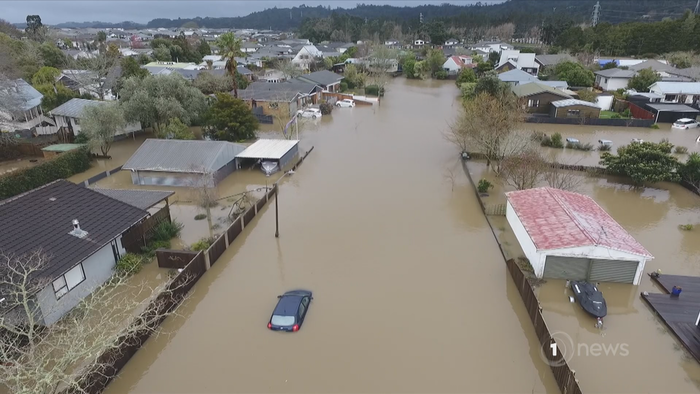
609,114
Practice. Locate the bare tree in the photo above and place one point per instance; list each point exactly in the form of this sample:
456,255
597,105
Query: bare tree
559,178
90,74
382,61
49,359
288,69
205,193
523,170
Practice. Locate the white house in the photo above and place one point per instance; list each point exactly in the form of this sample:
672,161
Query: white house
567,235
491,46
613,78
23,109
306,55
391,43
68,115
451,42
677,92
418,43
455,64
521,61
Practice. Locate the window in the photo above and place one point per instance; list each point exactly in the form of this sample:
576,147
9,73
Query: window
533,103
283,321
573,112
76,121
302,308
670,97
273,105
68,281
606,80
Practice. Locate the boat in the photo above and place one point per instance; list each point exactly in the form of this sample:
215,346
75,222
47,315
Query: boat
591,300
269,167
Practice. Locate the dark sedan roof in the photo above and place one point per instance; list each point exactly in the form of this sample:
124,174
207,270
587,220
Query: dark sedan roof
289,302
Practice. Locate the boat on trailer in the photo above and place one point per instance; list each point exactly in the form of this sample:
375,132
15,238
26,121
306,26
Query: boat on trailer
269,167
590,299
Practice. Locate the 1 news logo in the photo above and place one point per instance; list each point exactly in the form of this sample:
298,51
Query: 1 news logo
560,349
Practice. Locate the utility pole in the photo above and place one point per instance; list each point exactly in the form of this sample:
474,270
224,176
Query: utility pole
697,7
596,13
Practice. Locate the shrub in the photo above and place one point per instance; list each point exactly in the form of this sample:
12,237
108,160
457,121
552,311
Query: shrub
484,186
686,227
555,141
374,90
579,146
665,146
343,86
326,108
615,116
150,249
200,216
538,136
654,126
130,263
81,138
626,113
681,150
202,244
442,74
63,166
604,148
165,231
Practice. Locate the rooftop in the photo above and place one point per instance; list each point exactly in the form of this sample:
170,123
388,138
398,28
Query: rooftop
73,108
551,60
139,198
61,147
187,156
672,108
677,87
268,149
570,102
528,89
616,73
558,219
323,77
516,75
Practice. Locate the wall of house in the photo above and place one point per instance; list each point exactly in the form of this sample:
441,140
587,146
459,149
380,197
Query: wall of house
611,83
545,100
528,247
584,112
98,269
63,121
156,178
289,156
451,66
598,252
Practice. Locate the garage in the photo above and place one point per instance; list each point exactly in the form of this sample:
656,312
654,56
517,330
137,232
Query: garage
567,235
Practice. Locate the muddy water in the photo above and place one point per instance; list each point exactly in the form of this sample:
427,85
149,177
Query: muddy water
654,362
411,293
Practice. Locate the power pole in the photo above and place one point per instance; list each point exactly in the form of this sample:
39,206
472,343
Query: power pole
697,7
596,13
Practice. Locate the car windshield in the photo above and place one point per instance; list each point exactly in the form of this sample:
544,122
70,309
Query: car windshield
685,121
284,321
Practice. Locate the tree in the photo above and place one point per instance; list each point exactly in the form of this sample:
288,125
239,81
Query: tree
54,95
643,79
587,95
483,67
177,130
35,29
645,162
203,48
574,74
51,359
381,61
288,69
101,36
230,49
491,85
130,68
209,83
52,56
45,76
353,77
162,54
91,74
690,170
101,123
434,61
467,75
494,58
681,59
230,119
523,170
157,99
437,32
9,29
409,68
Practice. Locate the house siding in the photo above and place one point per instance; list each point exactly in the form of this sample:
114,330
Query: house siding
156,178
584,112
611,84
536,261
545,100
98,269
289,156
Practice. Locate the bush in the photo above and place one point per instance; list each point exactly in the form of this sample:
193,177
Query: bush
343,86
681,150
579,146
442,74
165,231
538,136
81,138
200,216
202,244
686,227
149,250
654,126
484,186
374,90
130,264
555,141
326,108
604,148
615,116
626,113
63,166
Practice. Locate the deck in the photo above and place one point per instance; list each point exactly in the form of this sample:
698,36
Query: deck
680,313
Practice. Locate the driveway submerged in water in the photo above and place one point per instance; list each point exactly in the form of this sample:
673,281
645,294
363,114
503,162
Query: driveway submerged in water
411,292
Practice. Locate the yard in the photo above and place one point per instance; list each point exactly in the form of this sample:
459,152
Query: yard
610,114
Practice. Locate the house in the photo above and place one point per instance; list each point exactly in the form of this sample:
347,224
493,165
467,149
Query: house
273,76
327,51
664,70
86,82
392,43
67,116
571,108
78,230
491,46
677,92
189,163
567,235
77,54
553,60
513,59
306,55
455,64
451,42
21,109
250,47
613,78
516,77
418,43
340,47
561,85
328,80
537,97
280,99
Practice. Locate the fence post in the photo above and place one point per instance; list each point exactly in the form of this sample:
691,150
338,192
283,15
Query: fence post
242,221
226,238
256,208
207,264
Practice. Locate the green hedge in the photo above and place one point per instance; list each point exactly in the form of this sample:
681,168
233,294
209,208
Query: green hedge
63,166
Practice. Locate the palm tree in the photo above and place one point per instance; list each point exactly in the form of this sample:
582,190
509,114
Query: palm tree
230,49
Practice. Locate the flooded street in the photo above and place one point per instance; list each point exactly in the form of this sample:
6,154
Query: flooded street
654,362
411,293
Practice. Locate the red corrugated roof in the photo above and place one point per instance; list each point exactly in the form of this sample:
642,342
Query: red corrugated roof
557,219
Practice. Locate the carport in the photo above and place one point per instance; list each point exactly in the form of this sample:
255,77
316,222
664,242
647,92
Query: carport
669,113
568,235
280,151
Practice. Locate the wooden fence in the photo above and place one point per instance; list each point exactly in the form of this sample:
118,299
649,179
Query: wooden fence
217,248
168,258
100,176
136,237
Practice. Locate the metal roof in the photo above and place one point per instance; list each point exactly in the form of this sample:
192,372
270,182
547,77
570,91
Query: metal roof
558,219
73,108
672,108
61,147
193,156
142,199
323,77
516,75
616,73
268,149
676,87
570,102
26,96
528,89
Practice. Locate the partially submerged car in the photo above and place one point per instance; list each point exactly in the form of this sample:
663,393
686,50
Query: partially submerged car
605,142
290,311
685,124
572,140
313,113
345,103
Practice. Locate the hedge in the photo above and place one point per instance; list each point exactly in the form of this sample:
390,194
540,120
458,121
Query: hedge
63,166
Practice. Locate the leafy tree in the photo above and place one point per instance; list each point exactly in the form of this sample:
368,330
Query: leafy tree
467,75
130,68
230,119
35,29
353,77
645,162
494,58
203,48
491,85
156,99
575,74
681,59
209,83
45,76
9,29
587,95
437,32
162,54
177,130
143,59
101,123
229,49
483,67
54,95
467,90
409,68
690,170
52,56
643,80
434,61
101,36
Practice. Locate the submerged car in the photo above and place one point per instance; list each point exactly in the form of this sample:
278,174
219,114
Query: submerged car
346,103
637,140
313,113
572,140
290,311
685,124
605,142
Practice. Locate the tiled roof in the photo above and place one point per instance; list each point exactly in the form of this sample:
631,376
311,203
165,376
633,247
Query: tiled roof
139,198
558,219
43,218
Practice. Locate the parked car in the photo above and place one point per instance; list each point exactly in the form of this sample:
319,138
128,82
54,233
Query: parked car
313,113
685,124
290,311
345,103
572,140
605,142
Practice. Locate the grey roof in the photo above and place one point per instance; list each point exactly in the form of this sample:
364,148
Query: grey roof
677,87
73,108
285,91
142,199
188,156
654,65
550,60
691,72
323,77
516,75
616,73
672,108
27,97
554,84
570,102
42,219
529,89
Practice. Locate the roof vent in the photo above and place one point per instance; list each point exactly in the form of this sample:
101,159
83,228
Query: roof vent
77,231
52,199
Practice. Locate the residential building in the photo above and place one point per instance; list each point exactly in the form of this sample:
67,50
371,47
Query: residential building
491,46
613,78
68,115
22,109
537,97
451,42
250,47
306,55
281,100
188,163
418,43
571,108
677,92
329,81
516,77
455,64
392,43
340,47
86,82
79,232
513,59
553,60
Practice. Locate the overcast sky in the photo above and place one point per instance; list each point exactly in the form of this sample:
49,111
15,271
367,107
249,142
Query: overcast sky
57,11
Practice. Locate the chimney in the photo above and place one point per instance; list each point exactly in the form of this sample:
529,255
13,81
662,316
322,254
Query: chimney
76,224
77,231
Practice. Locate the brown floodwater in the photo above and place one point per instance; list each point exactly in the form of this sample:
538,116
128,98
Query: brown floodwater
654,362
411,291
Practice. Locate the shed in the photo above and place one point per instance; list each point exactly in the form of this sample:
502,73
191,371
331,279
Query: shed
280,151
57,149
567,235
572,108
182,163
669,113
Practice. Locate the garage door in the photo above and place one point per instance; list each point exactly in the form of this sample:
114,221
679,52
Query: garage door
613,271
571,268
